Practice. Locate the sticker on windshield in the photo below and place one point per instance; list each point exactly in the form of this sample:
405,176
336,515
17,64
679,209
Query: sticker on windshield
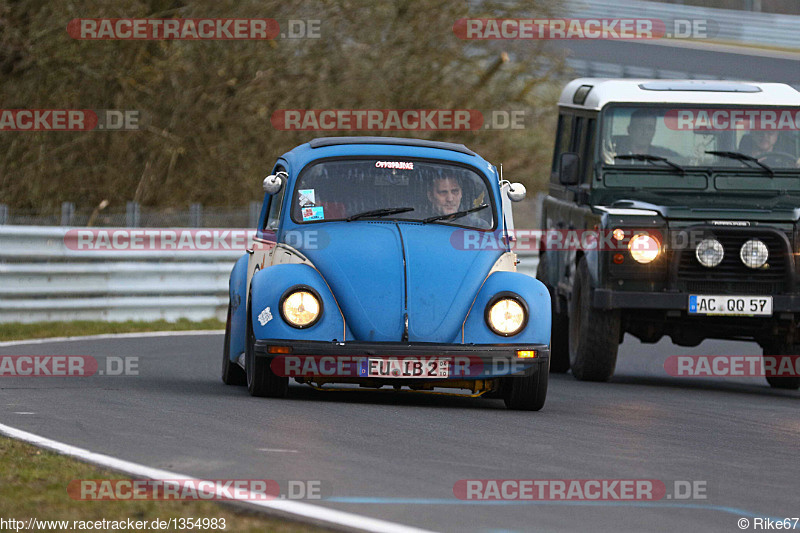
397,165
306,197
313,213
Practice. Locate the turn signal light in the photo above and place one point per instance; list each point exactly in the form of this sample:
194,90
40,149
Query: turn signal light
526,354
279,349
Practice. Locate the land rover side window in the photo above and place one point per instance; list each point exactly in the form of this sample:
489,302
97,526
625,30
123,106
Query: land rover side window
274,210
575,145
563,141
685,135
587,153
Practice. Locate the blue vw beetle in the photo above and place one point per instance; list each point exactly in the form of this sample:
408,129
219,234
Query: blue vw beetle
382,261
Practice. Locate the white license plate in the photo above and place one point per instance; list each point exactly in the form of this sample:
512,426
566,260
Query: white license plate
409,367
730,305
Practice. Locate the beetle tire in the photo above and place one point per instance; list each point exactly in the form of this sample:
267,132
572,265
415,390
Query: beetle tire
261,381
559,332
593,333
527,393
232,374
785,383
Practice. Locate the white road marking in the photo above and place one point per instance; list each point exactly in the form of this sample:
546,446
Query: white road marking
277,450
23,413
313,513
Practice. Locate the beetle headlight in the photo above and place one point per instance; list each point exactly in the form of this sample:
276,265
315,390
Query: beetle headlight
301,307
644,248
754,253
709,252
506,314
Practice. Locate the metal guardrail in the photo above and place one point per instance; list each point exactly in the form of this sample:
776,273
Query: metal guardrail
601,69
41,280
744,27
135,216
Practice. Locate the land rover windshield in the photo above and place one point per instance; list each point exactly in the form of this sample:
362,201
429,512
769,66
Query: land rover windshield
727,137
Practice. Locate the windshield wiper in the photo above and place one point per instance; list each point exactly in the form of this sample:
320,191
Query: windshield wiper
380,212
651,159
457,214
741,157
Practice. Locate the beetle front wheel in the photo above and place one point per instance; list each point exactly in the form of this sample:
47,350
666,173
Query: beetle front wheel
527,393
261,380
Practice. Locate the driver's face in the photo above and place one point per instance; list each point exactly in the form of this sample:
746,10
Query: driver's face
445,196
765,140
642,130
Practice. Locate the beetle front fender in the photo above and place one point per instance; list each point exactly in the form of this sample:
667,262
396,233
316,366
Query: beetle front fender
270,284
531,290
237,292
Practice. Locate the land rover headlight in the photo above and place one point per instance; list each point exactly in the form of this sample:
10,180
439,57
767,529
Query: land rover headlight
754,253
506,314
644,248
301,307
709,253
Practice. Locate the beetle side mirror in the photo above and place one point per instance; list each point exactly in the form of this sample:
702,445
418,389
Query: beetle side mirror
568,166
516,192
274,182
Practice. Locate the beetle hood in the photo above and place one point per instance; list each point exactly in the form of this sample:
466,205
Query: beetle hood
442,281
378,271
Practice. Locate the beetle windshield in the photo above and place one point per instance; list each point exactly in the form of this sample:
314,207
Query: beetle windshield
741,137
392,189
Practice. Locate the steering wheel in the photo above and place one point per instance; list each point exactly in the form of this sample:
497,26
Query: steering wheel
780,159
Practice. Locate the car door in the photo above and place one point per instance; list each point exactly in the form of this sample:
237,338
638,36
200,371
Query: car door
556,205
267,235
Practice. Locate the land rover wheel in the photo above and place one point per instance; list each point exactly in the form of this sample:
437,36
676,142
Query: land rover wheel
780,348
559,333
593,333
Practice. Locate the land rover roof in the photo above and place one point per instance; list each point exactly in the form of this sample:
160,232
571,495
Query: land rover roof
595,93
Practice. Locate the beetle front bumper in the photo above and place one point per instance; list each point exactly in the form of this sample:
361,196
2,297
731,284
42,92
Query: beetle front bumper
350,360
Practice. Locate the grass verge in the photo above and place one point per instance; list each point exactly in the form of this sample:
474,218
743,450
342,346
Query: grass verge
13,331
33,484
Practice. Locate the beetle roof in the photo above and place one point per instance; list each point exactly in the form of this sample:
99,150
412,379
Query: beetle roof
390,147
333,141
643,91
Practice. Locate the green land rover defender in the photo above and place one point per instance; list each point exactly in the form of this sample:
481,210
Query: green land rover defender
673,210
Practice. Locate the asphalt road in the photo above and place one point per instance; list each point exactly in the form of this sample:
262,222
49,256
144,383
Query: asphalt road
397,457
